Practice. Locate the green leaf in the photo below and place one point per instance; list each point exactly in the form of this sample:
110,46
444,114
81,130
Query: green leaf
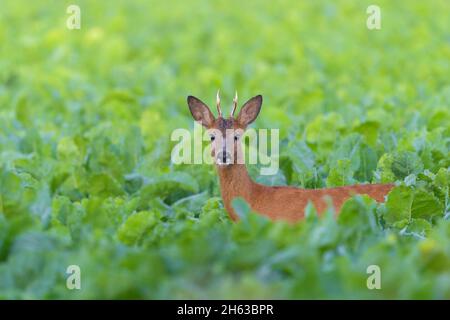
398,205
369,130
315,132
103,184
405,163
136,226
67,149
340,175
442,178
384,168
241,208
368,164
358,219
425,205
420,227
171,186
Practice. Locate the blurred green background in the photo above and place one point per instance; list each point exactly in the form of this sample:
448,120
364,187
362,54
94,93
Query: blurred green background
85,123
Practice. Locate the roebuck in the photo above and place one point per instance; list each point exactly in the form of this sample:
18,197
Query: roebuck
280,202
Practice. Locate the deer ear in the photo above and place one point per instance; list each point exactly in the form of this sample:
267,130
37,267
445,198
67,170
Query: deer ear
200,111
250,110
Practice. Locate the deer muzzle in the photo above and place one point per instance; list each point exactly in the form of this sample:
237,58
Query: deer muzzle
223,158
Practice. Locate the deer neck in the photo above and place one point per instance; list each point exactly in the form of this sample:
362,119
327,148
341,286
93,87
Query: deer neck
235,182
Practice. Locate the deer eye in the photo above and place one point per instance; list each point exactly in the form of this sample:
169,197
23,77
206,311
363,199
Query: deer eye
212,138
236,138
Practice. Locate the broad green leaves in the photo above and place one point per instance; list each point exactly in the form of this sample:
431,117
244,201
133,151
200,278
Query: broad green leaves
399,205
135,227
398,165
85,171
406,163
369,130
341,175
425,205
413,210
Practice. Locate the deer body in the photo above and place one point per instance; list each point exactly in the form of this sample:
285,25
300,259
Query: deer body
283,202
277,203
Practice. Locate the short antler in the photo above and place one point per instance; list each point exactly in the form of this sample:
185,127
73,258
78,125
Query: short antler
235,102
218,103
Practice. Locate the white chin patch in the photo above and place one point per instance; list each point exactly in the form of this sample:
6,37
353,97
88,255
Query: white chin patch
220,163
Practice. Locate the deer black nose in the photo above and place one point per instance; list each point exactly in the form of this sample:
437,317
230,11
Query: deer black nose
224,157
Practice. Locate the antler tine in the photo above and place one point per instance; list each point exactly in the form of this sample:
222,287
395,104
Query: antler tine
235,102
218,103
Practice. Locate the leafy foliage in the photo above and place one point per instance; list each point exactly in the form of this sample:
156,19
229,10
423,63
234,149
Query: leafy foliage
85,172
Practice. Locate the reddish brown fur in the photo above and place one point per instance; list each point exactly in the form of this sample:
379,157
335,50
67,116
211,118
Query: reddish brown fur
277,203
286,203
